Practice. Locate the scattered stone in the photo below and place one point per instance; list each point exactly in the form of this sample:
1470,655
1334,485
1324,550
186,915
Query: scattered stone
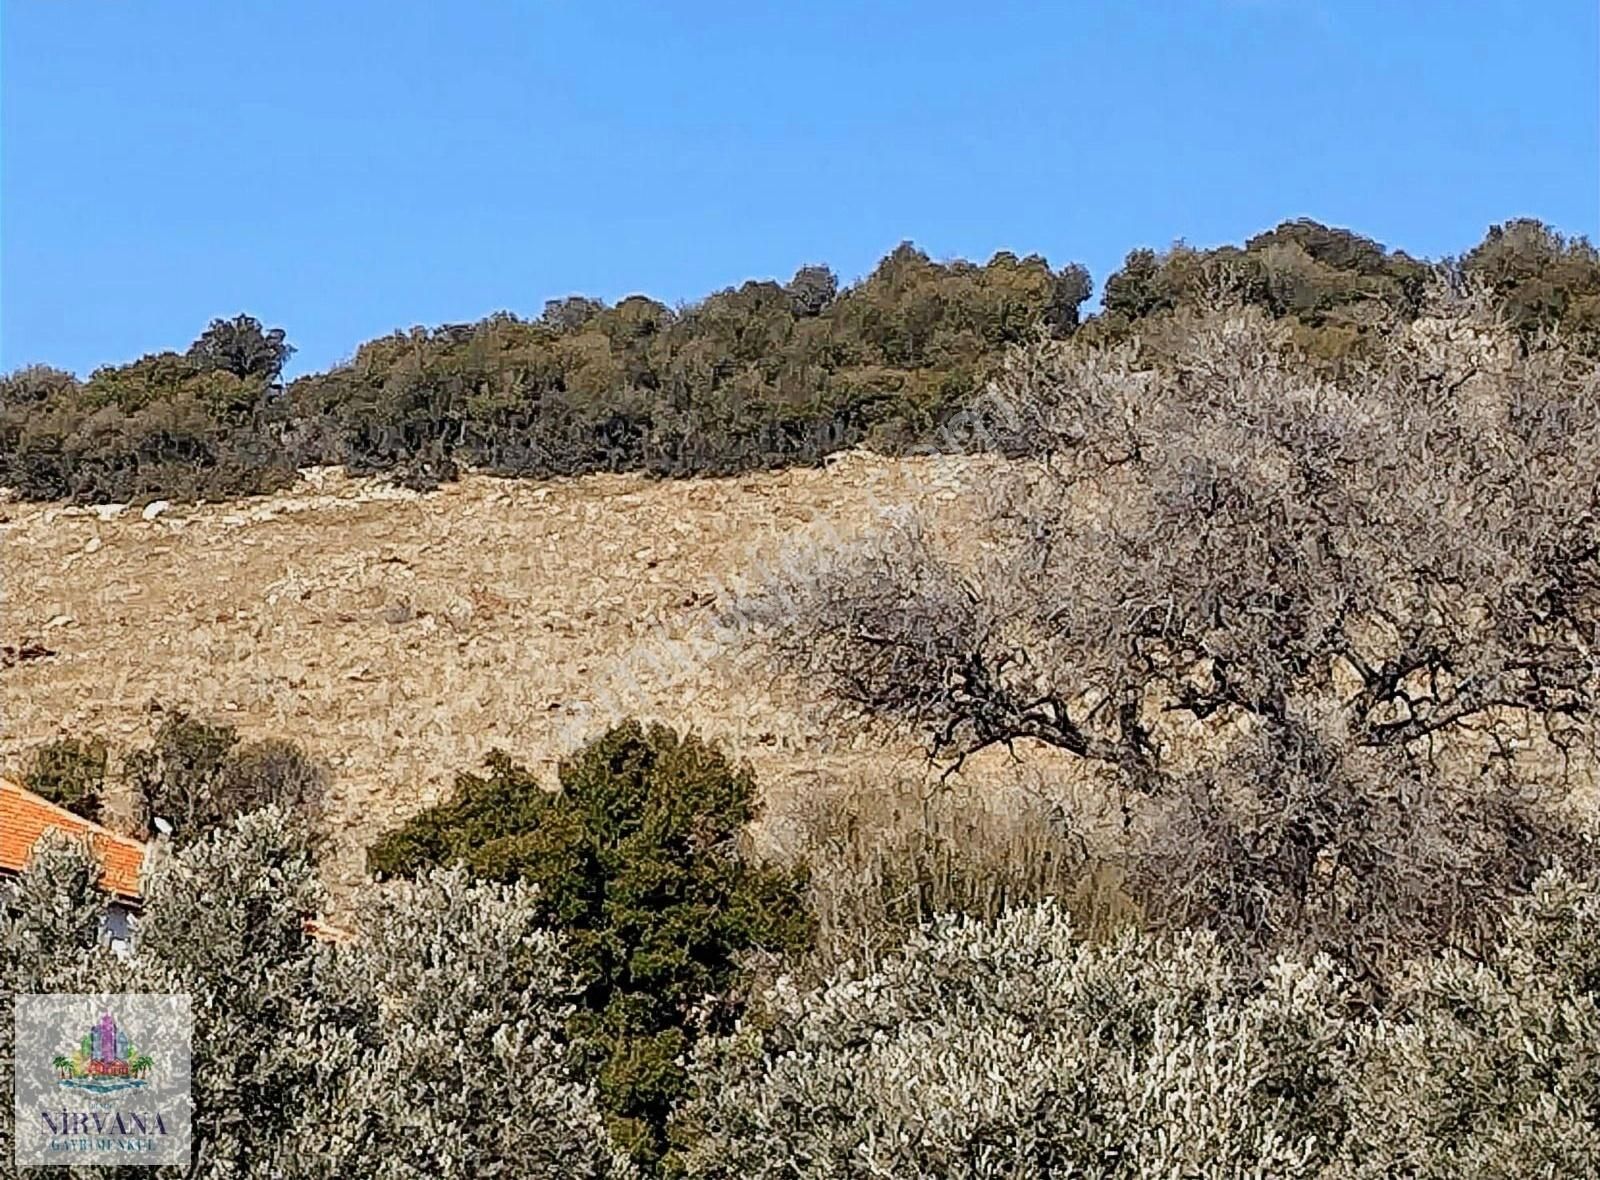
155,508
398,613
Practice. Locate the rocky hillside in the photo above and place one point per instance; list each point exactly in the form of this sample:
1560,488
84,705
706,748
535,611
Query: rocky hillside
401,636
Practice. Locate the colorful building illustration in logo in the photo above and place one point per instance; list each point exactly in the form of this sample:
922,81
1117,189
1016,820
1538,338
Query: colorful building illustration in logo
104,1060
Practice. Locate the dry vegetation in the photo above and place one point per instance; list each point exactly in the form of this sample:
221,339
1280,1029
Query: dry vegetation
1331,636
401,636
1267,519
1205,789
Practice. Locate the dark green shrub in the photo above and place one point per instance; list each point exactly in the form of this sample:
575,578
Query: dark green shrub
638,861
71,773
175,778
1541,279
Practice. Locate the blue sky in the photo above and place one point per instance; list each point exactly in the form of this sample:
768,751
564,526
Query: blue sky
343,169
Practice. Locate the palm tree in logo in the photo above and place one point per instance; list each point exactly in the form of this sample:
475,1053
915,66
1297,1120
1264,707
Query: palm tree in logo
63,1066
139,1064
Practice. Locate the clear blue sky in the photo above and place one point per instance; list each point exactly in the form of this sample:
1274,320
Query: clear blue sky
346,168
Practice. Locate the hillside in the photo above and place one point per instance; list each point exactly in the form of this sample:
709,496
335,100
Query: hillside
403,635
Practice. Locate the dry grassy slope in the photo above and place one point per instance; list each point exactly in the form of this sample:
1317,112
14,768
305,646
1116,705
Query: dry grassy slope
403,636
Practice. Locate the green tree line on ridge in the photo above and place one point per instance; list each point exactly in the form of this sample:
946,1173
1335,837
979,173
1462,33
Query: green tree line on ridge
756,376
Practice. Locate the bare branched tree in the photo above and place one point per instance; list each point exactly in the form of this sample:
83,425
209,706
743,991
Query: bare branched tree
1342,631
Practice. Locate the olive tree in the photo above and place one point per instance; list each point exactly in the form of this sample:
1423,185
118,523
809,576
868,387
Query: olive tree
1014,1049
430,1046
1333,637
464,1001
50,919
1488,1068
241,346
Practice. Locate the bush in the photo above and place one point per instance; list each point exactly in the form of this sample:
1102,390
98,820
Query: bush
272,772
1488,1068
463,1001
1012,1049
757,376
1542,280
71,773
197,775
179,426
50,919
1339,293
638,865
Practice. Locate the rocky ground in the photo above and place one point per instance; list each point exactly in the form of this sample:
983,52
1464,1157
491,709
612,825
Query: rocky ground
402,636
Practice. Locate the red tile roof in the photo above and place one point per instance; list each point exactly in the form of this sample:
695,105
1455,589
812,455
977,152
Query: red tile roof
24,817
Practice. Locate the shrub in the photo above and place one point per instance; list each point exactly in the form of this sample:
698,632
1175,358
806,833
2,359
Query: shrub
1012,1049
198,775
755,376
166,425
273,772
1338,293
224,922
638,865
50,918
71,772
1488,1068
175,778
760,375
1541,279
462,1003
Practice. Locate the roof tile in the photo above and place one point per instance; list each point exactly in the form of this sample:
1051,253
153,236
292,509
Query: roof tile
24,817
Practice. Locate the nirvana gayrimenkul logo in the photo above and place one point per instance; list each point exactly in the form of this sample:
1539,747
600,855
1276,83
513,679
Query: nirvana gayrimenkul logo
105,1060
102,1079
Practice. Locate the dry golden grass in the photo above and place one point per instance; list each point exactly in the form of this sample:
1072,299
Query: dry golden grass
401,637
885,857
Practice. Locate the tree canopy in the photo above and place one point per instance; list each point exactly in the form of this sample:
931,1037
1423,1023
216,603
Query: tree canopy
1330,636
758,375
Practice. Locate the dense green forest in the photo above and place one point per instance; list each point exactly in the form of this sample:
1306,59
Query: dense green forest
761,375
